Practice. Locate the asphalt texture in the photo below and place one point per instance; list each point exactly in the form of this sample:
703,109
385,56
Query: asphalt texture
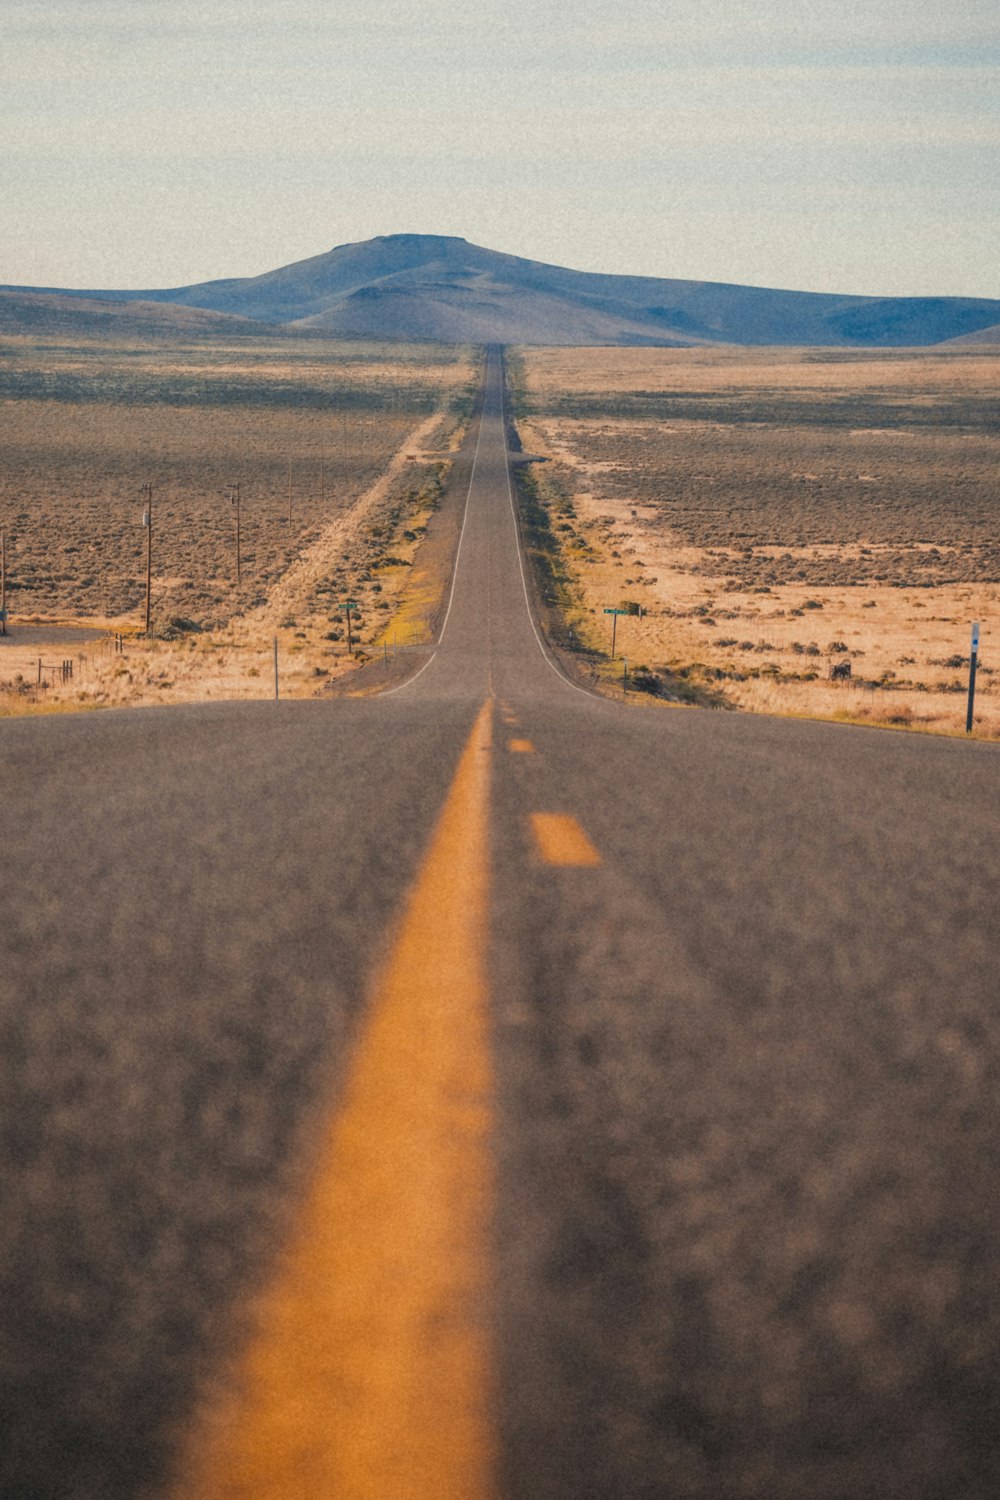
747,1130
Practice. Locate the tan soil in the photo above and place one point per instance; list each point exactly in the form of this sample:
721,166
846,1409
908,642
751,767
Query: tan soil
700,616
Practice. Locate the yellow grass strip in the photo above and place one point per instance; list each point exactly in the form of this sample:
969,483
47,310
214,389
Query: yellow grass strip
418,602
369,1377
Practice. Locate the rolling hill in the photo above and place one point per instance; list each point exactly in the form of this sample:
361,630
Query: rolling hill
417,286
60,315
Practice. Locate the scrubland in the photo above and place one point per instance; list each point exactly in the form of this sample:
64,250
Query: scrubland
340,452
776,513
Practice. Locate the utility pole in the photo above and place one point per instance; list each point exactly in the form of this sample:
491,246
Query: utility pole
3,583
289,492
347,606
147,521
234,496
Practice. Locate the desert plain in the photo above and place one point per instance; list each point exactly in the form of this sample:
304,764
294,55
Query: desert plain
339,451
776,514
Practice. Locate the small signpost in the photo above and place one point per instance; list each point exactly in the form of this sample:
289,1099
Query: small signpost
625,609
973,654
614,626
347,606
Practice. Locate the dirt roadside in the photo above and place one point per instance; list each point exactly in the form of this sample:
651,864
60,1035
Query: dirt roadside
389,557
758,622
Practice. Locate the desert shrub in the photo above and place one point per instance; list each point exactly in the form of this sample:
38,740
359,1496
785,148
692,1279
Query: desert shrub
642,680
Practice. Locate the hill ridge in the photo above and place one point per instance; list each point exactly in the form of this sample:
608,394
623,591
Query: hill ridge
445,288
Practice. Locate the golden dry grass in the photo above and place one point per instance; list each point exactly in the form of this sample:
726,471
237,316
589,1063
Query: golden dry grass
363,433
304,429
776,512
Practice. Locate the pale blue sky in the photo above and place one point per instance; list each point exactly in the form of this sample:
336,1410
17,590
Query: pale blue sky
835,147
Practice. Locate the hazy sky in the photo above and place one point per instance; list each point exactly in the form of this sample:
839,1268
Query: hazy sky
832,146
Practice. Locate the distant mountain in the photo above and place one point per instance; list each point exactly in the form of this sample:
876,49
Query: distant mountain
989,335
69,314
421,286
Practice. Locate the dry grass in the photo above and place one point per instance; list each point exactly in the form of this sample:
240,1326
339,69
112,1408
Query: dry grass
305,429
777,512
364,434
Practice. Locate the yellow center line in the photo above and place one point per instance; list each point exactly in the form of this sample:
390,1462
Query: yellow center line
561,840
521,747
368,1377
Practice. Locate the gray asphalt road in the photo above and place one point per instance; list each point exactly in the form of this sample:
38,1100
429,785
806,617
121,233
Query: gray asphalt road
747,1133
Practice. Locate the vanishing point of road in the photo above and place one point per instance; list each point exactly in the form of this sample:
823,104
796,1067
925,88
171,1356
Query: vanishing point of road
486,1091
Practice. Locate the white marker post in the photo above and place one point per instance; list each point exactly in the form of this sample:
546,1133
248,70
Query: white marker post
147,521
974,652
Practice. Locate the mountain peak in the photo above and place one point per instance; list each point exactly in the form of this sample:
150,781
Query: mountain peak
418,239
441,287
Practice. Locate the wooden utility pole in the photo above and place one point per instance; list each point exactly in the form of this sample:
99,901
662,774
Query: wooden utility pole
3,583
234,496
347,606
289,492
147,521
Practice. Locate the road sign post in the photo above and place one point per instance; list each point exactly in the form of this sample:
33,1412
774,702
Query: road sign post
347,606
626,609
614,613
973,654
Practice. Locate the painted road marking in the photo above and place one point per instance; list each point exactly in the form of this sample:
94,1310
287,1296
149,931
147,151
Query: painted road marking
522,747
561,840
369,1374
